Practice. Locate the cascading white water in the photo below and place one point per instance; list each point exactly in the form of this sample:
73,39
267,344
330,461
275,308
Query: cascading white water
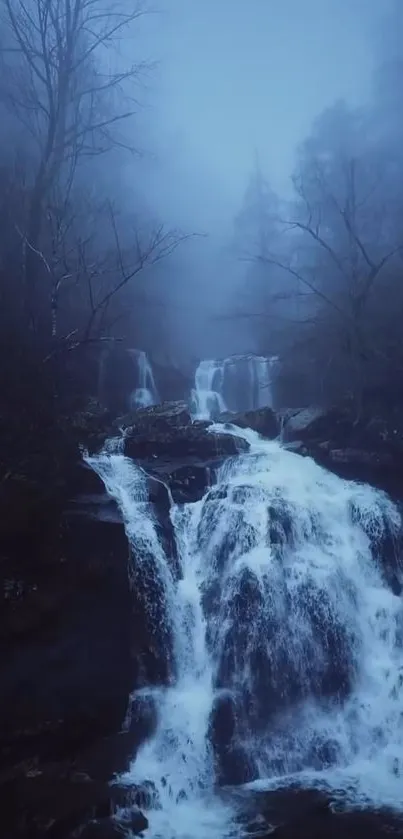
319,645
145,394
206,397
283,609
126,380
178,759
235,384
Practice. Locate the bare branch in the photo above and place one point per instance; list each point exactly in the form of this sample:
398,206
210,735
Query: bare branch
34,250
160,245
320,240
300,277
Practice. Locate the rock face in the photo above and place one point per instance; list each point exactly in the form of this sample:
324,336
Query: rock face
67,662
184,454
60,802
173,380
367,449
65,630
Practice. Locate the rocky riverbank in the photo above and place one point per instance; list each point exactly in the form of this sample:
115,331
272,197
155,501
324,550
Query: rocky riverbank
72,635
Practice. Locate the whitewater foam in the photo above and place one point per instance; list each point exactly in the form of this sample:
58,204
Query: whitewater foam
325,706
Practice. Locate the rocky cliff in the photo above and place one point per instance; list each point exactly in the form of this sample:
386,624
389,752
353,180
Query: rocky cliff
73,635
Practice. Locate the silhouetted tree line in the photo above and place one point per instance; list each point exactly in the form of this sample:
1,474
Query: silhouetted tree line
71,252
324,276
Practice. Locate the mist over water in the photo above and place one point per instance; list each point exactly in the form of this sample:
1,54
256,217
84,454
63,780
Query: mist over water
284,612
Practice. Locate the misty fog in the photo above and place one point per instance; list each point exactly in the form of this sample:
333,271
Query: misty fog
224,109
232,79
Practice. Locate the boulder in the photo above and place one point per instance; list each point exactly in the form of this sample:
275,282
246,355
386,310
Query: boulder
263,420
167,415
222,726
297,423
189,482
135,821
143,796
369,448
181,453
168,434
233,765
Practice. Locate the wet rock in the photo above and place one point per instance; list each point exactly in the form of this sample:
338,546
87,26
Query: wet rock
141,719
323,754
173,437
144,796
91,426
365,448
137,821
263,420
152,631
256,827
189,482
333,675
297,813
184,455
235,767
297,424
250,640
161,500
167,415
386,539
222,721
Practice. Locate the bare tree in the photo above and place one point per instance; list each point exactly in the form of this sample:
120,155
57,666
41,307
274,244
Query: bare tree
339,249
100,278
64,81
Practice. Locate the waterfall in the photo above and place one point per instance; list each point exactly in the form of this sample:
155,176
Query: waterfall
287,639
145,394
206,397
235,384
126,380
